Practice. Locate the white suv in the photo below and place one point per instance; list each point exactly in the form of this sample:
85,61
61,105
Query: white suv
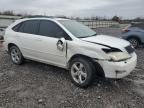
68,44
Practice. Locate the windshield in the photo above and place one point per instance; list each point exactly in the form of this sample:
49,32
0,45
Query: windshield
77,29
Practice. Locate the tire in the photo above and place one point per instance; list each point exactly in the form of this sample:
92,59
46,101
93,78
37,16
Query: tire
82,72
134,42
16,55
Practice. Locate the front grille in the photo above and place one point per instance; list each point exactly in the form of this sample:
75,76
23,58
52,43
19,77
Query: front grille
129,49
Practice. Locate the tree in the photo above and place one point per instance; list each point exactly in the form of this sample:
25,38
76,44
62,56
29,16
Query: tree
116,18
8,13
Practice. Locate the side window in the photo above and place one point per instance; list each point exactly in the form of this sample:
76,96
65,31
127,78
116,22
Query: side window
16,28
51,29
30,27
21,28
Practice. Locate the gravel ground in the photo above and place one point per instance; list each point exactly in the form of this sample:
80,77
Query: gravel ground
37,85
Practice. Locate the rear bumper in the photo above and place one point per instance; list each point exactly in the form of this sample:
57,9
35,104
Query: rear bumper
119,69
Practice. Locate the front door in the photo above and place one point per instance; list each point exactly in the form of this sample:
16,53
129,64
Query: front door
48,45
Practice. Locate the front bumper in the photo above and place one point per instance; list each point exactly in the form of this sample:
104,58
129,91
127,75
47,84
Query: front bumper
119,69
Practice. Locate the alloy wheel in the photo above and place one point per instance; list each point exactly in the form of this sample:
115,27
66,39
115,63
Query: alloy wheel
78,72
134,42
15,55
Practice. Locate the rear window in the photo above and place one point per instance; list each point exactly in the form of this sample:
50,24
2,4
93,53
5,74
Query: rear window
139,25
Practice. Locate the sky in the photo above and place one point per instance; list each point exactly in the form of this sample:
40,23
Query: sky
77,8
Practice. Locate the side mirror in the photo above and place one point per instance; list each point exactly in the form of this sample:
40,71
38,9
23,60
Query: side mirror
61,44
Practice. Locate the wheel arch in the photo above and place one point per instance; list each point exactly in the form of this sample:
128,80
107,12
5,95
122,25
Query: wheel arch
10,45
97,66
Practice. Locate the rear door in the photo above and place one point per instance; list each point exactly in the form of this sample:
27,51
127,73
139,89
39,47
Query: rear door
26,34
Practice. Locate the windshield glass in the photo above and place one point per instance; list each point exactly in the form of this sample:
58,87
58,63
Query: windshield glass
77,29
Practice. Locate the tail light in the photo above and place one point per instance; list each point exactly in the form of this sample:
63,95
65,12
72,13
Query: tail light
125,30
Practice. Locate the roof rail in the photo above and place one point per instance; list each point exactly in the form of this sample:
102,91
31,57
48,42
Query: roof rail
37,16
41,16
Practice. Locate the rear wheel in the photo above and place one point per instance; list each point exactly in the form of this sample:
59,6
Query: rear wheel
82,72
134,42
16,55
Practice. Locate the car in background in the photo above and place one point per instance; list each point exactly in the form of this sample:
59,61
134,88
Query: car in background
134,33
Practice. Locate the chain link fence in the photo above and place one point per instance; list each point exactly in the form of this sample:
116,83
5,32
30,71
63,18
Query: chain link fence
93,24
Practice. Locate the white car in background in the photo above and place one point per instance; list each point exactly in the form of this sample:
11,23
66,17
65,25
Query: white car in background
68,44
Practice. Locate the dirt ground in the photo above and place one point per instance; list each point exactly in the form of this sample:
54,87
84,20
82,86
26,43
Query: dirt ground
37,85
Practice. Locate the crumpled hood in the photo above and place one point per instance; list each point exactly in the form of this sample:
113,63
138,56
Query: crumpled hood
107,41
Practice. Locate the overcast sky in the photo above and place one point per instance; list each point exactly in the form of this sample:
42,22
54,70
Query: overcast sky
84,8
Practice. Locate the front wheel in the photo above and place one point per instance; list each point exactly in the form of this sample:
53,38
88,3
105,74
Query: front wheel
82,72
16,55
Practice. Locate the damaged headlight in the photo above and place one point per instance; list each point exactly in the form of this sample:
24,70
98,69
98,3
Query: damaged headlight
116,54
119,56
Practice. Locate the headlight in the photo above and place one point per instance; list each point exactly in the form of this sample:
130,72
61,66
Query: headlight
116,54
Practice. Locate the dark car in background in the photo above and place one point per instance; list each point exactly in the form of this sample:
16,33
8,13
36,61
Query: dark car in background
134,33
